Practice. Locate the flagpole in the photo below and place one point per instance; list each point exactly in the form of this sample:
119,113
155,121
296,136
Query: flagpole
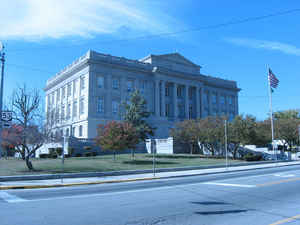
271,115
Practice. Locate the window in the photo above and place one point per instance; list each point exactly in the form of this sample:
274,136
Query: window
179,91
214,112
68,111
100,82
69,90
100,105
75,109
61,133
81,106
80,131
67,132
130,85
115,83
231,115
214,98
82,82
115,106
222,100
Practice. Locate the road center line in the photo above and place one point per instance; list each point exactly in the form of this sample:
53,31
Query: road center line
278,182
10,198
231,185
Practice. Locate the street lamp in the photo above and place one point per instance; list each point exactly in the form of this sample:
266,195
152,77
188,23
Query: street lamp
2,59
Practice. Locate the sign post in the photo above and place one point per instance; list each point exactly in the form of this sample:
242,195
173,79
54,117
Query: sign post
2,59
64,149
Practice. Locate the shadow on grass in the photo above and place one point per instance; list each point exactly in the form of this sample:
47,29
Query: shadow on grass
147,162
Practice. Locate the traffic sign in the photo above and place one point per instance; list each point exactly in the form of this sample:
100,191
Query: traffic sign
6,116
6,124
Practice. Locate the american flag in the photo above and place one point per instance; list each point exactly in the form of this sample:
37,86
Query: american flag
272,79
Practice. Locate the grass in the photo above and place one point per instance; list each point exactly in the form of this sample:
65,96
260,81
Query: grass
9,167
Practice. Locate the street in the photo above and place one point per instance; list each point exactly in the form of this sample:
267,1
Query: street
261,197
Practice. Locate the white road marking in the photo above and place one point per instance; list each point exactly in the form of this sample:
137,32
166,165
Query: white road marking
231,185
284,175
10,198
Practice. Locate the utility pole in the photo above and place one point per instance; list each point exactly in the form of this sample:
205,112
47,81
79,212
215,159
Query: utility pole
2,59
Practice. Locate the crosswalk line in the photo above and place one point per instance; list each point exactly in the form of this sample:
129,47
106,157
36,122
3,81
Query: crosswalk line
231,185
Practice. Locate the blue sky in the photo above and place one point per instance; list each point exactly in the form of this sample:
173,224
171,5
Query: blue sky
42,37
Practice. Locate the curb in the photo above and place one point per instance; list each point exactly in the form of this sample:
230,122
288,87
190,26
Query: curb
39,186
121,173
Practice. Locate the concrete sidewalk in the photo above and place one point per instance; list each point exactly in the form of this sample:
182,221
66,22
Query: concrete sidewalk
30,184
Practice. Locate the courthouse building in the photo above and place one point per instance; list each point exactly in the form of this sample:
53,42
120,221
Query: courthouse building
90,92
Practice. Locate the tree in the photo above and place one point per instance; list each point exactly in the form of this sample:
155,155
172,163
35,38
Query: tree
263,133
287,114
186,132
117,136
241,131
136,113
28,134
211,132
287,129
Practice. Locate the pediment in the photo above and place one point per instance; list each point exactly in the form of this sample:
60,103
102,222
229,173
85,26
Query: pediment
178,58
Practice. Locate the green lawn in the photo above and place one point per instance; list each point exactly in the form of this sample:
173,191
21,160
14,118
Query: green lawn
12,166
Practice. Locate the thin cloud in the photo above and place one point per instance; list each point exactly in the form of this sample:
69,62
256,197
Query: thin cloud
263,44
38,19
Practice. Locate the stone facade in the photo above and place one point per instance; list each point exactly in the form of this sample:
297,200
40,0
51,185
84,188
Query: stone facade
90,91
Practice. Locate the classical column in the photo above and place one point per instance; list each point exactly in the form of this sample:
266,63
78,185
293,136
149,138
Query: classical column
186,101
237,104
157,93
175,104
217,103
209,103
198,105
202,101
163,98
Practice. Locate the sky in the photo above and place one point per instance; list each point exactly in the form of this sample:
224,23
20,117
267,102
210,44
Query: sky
43,37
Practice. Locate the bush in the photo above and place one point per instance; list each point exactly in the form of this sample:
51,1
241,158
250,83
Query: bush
58,151
70,151
88,154
44,156
252,157
87,147
94,153
78,155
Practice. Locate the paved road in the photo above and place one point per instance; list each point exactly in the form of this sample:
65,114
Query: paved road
259,197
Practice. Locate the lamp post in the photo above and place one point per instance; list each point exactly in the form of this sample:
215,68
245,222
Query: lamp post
2,59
